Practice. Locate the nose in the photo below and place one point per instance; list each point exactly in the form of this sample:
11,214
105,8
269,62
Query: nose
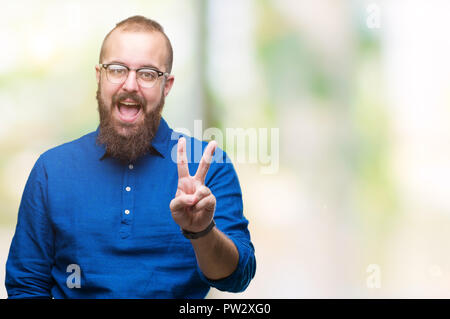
130,83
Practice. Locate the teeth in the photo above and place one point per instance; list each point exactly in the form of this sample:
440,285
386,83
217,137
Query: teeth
129,103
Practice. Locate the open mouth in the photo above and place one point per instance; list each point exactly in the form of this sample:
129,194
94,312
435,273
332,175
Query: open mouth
128,111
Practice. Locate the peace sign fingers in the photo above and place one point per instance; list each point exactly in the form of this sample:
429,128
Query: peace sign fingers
203,166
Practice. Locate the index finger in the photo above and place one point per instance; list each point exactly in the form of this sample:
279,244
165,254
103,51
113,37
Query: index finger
182,165
205,162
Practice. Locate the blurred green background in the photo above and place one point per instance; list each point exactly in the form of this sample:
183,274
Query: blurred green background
359,91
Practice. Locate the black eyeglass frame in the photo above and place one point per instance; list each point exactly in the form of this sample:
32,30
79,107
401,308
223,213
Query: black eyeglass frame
160,73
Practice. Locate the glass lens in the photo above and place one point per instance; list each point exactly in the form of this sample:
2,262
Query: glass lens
147,77
117,73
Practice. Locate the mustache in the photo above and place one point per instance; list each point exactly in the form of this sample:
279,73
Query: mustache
130,96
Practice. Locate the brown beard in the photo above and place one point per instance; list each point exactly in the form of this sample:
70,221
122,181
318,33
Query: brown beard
137,143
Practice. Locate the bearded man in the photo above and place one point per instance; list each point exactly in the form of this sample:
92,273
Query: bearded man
113,214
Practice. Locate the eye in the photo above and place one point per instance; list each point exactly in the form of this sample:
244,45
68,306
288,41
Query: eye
117,69
148,74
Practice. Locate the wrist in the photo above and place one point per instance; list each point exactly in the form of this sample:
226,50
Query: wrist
195,235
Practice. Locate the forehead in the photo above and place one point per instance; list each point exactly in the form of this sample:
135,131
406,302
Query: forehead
136,49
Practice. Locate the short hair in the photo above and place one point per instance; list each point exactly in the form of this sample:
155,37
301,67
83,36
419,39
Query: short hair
138,24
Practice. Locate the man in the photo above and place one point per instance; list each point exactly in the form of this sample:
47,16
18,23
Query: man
113,214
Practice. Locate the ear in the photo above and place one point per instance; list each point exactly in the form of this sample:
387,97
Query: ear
97,73
168,84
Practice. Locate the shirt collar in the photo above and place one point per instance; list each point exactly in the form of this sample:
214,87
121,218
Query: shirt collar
158,145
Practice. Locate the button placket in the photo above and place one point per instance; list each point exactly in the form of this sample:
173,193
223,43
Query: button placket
127,201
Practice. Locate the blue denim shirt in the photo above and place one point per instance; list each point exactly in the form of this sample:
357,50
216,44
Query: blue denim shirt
91,227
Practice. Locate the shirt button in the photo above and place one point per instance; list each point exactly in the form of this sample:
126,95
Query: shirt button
128,188
130,166
127,211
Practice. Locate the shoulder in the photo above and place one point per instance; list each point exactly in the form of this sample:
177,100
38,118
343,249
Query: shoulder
68,149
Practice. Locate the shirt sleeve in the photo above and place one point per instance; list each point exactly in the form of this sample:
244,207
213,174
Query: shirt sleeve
30,259
224,184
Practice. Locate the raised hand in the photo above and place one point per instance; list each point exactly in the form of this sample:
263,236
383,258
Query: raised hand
194,205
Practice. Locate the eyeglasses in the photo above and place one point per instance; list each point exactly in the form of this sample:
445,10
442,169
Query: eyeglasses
118,73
